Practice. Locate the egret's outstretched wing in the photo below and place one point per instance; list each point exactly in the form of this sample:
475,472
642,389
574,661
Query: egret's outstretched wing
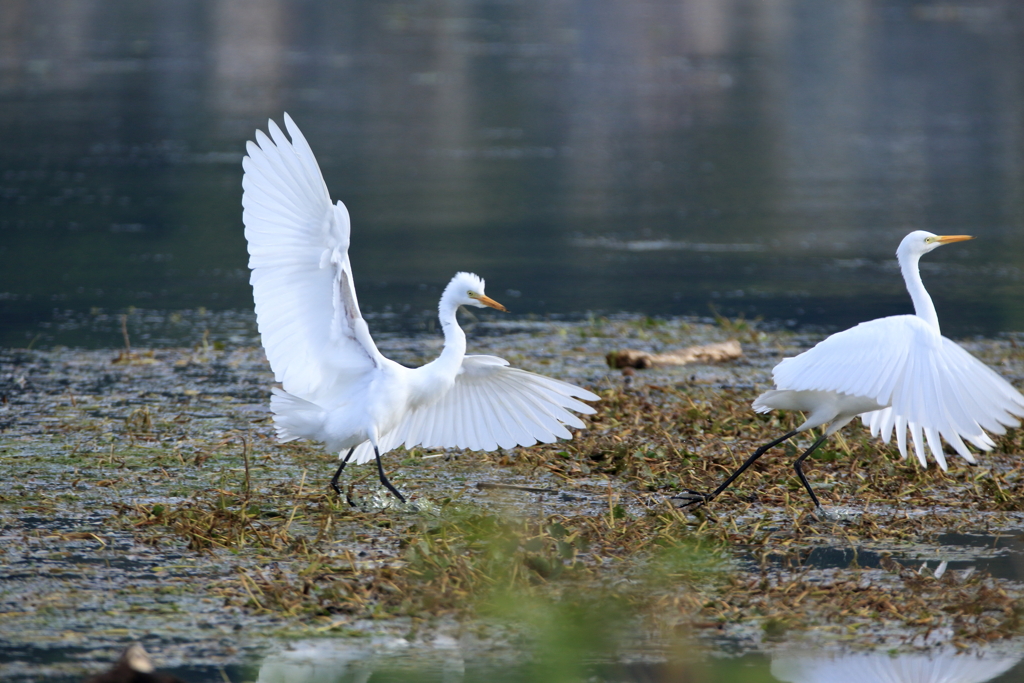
491,405
932,386
306,305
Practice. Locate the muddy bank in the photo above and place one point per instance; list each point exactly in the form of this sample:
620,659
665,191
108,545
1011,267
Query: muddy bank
147,500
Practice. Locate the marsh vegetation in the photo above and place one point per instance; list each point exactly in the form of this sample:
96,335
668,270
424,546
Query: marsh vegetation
146,498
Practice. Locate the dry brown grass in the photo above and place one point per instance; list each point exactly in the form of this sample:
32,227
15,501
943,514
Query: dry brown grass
660,564
188,470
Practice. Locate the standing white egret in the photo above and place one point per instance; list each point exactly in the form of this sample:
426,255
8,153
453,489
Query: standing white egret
896,373
337,387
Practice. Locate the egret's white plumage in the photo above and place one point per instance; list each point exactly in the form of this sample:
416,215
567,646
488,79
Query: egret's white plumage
900,375
337,387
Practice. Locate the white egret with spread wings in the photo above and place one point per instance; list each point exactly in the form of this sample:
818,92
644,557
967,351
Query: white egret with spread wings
337,388
899,374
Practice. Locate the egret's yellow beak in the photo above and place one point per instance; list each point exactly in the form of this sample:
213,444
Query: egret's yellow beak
488,301
946,239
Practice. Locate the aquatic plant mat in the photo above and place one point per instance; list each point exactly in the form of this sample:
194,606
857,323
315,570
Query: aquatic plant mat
144,498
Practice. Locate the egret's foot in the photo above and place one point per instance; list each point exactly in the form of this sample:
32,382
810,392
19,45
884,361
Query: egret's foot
824,515
402,505
378,500
394,491
688,498
347,493
337,477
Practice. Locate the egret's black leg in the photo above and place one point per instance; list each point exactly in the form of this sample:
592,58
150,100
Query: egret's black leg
800,472
384,478
696,498
334,480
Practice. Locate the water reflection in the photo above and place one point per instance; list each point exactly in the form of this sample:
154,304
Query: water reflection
316,662
248,56
338,661
520,139
333,660
998,555
879,667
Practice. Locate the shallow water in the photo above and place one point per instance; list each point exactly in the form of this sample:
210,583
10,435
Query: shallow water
654,157
79,579
1000,555
342,661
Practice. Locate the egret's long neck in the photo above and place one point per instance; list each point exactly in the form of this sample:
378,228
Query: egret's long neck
454,338
430,382
923,305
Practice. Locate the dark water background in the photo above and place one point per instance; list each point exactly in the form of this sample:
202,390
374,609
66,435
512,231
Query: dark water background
653,156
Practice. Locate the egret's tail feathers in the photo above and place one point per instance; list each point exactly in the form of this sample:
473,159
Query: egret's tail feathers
294,417
764,403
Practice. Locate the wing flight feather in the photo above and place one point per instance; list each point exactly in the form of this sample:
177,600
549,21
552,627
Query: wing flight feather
491,405
306,306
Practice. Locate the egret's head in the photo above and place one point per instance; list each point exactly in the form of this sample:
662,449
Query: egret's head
467,289
921,242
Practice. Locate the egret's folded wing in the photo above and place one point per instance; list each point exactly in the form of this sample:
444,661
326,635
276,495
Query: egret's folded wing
932,386
866,360
306,305
491,405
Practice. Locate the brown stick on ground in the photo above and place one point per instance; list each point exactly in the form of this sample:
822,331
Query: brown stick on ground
711,353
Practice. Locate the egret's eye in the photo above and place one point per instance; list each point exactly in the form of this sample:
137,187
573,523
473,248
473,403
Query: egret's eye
471,294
